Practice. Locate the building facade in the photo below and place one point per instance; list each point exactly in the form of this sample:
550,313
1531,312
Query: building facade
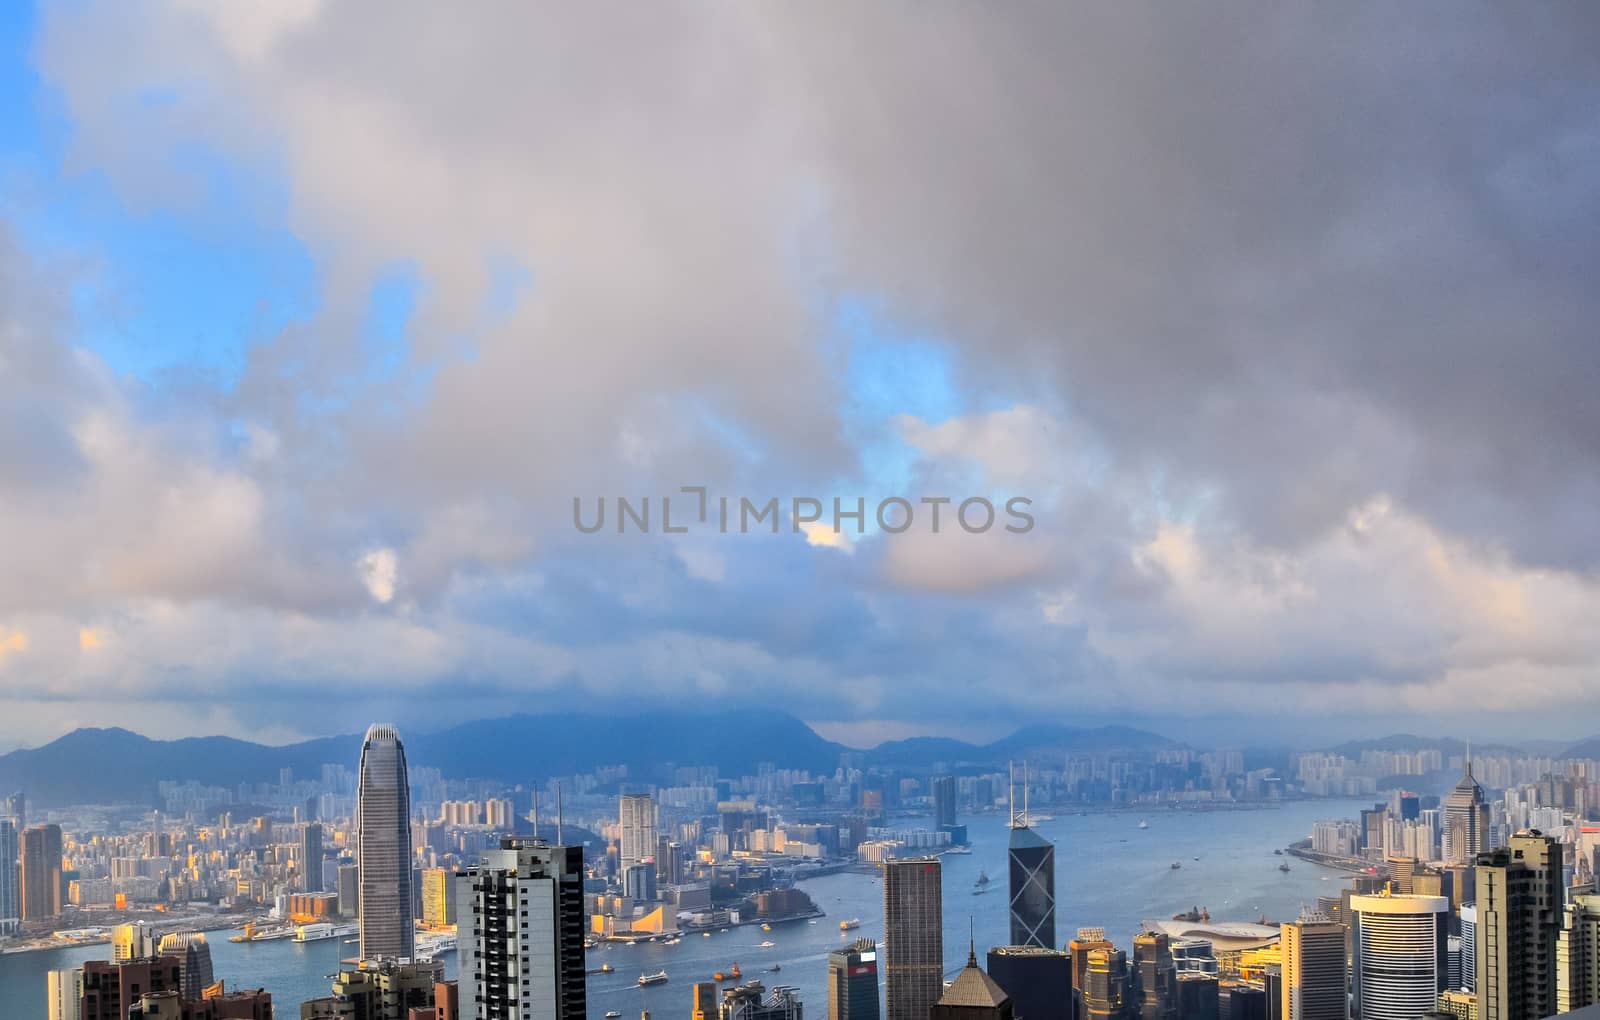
1399,946
913,950
1519,923
1313,968
853,982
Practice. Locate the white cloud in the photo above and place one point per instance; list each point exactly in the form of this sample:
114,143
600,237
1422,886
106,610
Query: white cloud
380,570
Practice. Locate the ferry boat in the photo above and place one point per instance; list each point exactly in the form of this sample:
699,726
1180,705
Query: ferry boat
658,978
1176,865
1283,867
766,927
1143,824
768,944
732,975
606,968
435,944
850,925
612,1014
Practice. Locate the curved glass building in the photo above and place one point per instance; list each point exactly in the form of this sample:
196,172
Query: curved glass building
1400,965
383,847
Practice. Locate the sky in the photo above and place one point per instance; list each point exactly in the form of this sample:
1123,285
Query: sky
317,318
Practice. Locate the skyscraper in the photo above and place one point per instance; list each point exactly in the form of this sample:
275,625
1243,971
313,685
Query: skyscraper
64,994
1466,820
973,995
311,857
520,917
1032,865
193,954
1039,981
1468,918
383,847
1158,977
944,801
1400,964
1519,920
913,926
17,808
637,816
1313,969
707,1001
1105,984
853,982
10,875
1578,954
41,872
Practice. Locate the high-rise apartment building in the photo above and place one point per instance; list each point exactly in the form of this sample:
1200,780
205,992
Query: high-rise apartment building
1313,969
387,989
1400,962
973,995
1519,922
1466,820
64,994
438,896
1578,954
40,872
1467,919
10,873
637,818
111,989
383,847
913,949
1158,976
1038,980
853,982
311,857
520,921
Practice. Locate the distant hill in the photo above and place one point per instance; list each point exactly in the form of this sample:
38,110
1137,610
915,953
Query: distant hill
118,766
1589,748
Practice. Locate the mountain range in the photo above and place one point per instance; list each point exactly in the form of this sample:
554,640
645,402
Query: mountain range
104,766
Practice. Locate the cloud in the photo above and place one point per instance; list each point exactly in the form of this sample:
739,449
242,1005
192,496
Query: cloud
1286,331
380,570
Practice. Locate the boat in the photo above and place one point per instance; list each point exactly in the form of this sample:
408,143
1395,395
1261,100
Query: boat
1176,865
850,925
768,944
766,927
434,944
775,968
612,1014
983,878
961,850
658,978
606,968
732,975
705,934
1283,867
1279,851
1143,824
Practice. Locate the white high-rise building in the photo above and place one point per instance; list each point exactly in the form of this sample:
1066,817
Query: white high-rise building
520,915
383,847
65,994
1400,952
637,815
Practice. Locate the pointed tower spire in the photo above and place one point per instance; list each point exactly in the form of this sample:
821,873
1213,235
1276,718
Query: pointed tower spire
972,942
1011,795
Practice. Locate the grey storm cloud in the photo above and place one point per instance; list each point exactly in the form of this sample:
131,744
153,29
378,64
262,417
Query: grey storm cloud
1299,298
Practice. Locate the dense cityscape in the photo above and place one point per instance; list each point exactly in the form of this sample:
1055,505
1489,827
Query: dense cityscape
453,898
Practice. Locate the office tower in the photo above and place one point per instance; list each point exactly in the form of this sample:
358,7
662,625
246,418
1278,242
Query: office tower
1032,860
383,847
1078,950
111,989
387,989
17,809
1468,916
1038,980
193,954
1105,984
350,890
707,1001
853,982
64,990
1578,954
1519,919
913,937
1241,1000
1313,984
637,815
745,1002
1199,996
41,872
1158,978
134,941
10,877
438,896
1399,966
973,995
944,801
311,857
521,917
1466,820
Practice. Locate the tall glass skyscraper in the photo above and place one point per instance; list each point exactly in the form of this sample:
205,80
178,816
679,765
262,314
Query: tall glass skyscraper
10,875
853,982
1033,889
383,847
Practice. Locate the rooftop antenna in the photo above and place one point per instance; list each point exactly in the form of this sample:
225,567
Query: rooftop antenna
559,840
535,812
1026,819
972,942
1011,795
